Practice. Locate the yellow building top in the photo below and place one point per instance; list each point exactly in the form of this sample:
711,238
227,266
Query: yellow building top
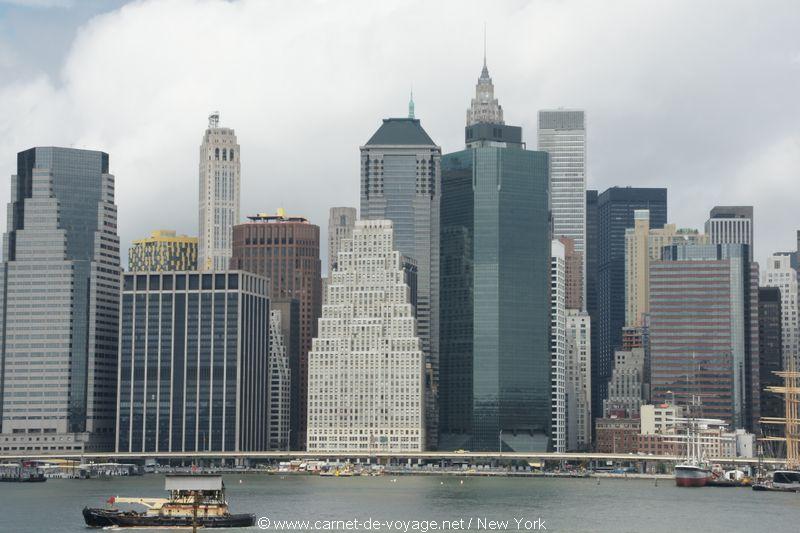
166,235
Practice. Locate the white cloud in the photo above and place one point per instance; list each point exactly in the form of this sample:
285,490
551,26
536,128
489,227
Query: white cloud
677,93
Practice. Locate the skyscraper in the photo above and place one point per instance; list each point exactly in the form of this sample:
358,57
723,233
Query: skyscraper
558,324
280,379
193,362
285,250
562,134
615,209
163,251
341,221
731,224
704,331
770,353
59,304
578,381
495,247
366,367
219,194
780,274
400,181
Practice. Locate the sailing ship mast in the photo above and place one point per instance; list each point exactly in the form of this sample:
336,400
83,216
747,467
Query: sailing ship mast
790,390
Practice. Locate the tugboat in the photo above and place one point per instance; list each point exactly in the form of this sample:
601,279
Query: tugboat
194,501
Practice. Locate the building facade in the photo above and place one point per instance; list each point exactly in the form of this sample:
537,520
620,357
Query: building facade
366,367
731,224
285,250
163,251
615,214
770,352
494,387
642,245
341,221
401,182
562,134
626,387
573,275
193,362
220,175
578,380
558,345
280,380
780,274
704,331
59,299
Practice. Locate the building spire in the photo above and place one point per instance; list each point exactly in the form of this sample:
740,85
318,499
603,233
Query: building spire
411,104
484,44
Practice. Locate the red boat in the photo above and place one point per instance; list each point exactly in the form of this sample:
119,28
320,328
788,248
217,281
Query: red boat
692,474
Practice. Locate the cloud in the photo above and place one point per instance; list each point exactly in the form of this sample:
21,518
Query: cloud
678,94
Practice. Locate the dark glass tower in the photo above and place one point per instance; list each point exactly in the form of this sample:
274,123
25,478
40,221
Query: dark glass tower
193,362
495,254
606,273
59,298
770,352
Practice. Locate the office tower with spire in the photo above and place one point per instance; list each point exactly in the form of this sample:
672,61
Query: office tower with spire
59,304
285,250
220,171
562,134
366,367
495,390
400,181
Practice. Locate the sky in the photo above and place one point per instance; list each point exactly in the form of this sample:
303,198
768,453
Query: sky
700,97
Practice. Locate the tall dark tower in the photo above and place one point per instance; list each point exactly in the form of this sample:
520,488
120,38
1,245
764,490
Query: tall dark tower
495,270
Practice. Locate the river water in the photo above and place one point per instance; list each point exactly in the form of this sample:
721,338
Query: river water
428,502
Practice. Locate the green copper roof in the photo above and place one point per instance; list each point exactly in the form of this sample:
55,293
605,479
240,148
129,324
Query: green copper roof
402,131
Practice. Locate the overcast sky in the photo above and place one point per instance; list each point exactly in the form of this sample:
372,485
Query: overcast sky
702,97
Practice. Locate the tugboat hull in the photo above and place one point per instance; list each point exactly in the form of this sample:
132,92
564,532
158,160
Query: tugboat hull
113,518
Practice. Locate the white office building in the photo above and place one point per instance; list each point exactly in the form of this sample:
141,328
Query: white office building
562,134
366,366
578,380
219,195
731,224
779,273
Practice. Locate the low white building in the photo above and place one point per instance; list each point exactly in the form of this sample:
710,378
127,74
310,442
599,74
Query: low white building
366,366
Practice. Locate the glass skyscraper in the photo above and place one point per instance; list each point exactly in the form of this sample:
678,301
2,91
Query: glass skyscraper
612,214
495,386
193,369
400,181
59,303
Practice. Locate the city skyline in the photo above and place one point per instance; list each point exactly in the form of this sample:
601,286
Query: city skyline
632,123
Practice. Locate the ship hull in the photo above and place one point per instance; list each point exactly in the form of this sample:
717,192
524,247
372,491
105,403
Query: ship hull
691,476
112,518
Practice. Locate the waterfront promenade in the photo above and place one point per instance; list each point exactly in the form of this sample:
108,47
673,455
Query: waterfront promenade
386,458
